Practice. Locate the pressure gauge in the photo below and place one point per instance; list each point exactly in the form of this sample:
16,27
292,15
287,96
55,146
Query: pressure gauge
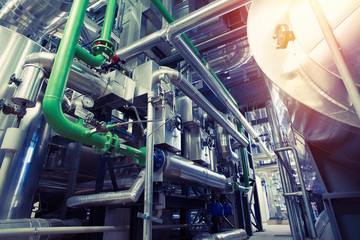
87,102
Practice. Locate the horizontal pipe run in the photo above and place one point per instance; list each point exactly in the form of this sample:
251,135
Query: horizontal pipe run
20,232
110,198
142,44
194,94
180,169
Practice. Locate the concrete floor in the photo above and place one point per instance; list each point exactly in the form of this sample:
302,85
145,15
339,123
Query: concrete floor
273,232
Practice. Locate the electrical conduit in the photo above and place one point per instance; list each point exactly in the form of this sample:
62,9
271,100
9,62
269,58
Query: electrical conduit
56,88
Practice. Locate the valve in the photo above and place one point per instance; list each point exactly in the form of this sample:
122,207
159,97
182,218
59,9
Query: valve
177,123
283,35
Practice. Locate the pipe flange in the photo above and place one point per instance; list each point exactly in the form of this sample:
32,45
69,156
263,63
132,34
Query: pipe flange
103,47
159,159
115,145
107,145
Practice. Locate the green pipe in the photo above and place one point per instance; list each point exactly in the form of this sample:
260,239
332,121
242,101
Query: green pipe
108,20
56,87
244,163
88,58
165,13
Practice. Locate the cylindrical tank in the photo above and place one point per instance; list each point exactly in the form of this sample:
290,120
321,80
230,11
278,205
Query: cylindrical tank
290,48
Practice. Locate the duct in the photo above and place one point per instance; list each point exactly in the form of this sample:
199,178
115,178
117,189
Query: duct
189,90
180,169
223,144
33,18
110,198
81,78
23,175
238,234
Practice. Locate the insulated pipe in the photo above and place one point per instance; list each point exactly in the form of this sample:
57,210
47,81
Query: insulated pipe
110,198
178,80
20,232
81,78
181,169
337,55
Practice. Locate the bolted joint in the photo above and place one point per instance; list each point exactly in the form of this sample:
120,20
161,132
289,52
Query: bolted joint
103,47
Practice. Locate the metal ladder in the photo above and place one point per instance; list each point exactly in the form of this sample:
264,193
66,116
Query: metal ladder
294,195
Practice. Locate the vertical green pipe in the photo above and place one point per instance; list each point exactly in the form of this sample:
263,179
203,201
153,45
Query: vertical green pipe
244,163
108,20
99,59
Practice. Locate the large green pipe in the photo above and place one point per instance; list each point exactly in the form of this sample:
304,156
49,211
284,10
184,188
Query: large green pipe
56,87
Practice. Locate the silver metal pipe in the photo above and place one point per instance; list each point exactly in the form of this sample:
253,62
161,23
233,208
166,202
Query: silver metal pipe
81,78
19,232
179,168
142,44
203,15
337,55
24,172
148,192
178,80
194,61
238,234
110,198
